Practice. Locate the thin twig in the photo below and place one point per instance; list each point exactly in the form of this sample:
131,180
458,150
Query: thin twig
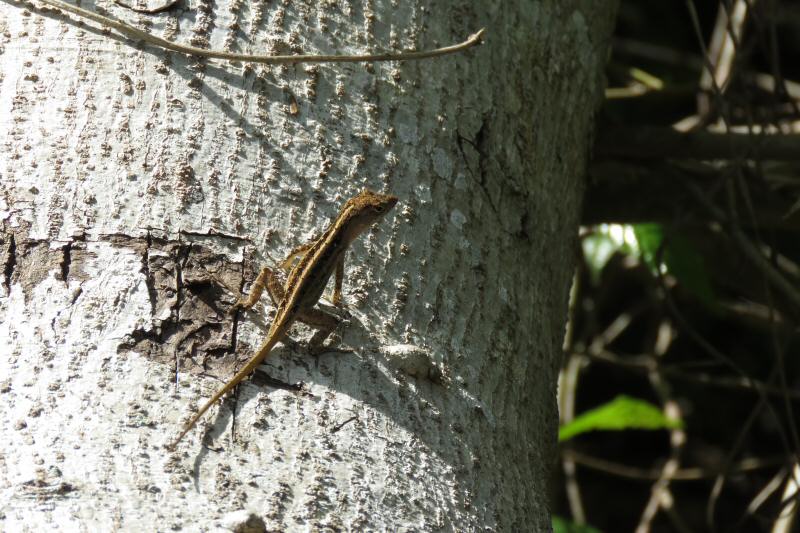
646,363
762,497
130,31
788,511
715,88
652,142
149,11
763,401
724,45
661,491
599,464
337,427
567,391
568,386
749,249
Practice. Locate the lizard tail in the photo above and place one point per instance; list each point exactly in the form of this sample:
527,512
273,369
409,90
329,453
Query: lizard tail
251,365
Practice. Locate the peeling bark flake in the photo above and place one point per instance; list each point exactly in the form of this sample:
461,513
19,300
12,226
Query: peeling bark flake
9,262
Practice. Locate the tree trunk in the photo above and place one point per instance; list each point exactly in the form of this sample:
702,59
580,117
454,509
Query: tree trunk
141,190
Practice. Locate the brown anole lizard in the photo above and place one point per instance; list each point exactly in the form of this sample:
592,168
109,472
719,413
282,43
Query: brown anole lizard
305,283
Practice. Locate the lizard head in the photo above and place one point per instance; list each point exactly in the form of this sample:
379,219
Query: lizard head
363,210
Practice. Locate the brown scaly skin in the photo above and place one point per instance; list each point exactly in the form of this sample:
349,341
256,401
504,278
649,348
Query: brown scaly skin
305,283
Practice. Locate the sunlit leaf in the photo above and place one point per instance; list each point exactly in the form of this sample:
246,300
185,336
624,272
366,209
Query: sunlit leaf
649,237
623,412
562,525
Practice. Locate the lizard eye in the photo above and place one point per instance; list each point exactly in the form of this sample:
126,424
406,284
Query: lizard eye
379,208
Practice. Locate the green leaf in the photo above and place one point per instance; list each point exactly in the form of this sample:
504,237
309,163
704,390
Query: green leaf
686,264
562,525
679,256
649,237
623,412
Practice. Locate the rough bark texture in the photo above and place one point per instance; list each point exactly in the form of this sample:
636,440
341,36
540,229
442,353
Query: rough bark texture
140,191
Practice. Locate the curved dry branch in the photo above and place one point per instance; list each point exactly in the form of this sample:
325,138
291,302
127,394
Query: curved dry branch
135,33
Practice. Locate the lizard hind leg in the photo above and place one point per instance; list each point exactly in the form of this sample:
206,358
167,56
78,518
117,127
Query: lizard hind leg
323,322
276,288
339,278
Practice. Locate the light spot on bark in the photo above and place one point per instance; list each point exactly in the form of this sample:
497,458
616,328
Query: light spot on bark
457,218
442,164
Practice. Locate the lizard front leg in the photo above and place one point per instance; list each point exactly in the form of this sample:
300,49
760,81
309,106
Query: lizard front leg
265,277
269,279
318,319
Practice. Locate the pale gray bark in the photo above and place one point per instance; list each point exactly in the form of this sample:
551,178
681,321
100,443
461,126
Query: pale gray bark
140,191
